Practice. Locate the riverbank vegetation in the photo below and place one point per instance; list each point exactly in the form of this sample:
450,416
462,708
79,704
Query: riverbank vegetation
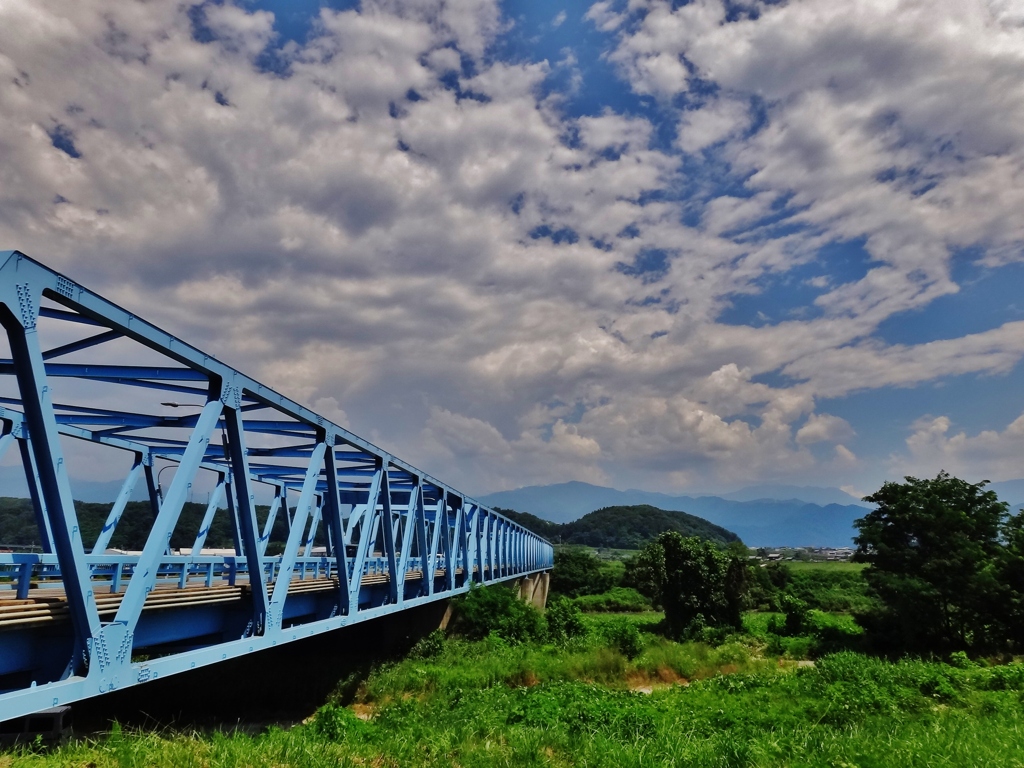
618,693
686,654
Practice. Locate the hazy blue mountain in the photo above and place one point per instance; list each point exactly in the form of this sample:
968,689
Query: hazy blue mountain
12,484
762,522
622,527
1011,491
807,493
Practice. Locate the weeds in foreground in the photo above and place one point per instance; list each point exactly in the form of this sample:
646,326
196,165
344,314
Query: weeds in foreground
585,702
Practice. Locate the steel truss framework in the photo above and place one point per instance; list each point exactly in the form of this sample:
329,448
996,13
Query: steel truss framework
76,619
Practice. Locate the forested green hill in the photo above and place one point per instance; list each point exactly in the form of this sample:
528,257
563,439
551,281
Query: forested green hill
18,525
622,527
614,527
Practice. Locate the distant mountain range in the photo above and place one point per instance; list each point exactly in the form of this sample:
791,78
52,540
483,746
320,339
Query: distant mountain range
762,515
759,522
622,527
806,493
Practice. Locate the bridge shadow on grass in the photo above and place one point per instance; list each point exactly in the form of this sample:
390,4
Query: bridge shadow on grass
281,685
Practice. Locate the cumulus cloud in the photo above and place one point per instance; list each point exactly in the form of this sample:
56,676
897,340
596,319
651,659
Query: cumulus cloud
395,225
821,427
893,123
987,455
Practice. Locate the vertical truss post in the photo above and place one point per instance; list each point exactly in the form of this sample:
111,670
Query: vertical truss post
471,549
456,548
246,510
446,539
311,537
146,571
412,518
465,536
481,543
268,526
291,549
211,510
389,539
366,532
506,547
420,523
103,540
229,498
492,545
335,526
479,524
151,488
35,495
57,501
499,547
431,569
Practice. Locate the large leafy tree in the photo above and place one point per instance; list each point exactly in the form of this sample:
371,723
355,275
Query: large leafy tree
577,572
1011,579
934,551
696,583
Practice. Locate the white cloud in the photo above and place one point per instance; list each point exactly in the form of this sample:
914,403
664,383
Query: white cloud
987,455
822,427
895,122
711,124
604,17
504,293
844,456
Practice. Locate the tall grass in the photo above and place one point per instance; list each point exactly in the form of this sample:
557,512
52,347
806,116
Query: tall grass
587,703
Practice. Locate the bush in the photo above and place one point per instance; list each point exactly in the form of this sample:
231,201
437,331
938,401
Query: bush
564,619
624,637
615,600
935,549
797,615
826,590
336,723
696,583
578,572
429,646
497,609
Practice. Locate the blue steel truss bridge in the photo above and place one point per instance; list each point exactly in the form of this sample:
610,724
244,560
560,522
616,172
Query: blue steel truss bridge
85,383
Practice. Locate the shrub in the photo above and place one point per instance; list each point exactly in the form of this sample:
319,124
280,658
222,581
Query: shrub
934,549
497,609
625,637
578,572
336,723
797,615
697,584
564,619
429,646
615,600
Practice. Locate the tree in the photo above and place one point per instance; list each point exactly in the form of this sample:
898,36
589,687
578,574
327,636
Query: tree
1011,578
933,549
696,583
498,609
577,572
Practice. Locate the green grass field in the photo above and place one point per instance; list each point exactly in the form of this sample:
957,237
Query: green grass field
594,702
835,566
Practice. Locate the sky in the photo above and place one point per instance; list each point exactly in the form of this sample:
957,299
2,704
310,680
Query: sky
683,247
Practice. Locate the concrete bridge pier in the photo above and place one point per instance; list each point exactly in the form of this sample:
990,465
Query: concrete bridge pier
534,589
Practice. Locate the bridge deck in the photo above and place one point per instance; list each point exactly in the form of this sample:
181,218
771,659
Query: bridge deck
48,605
